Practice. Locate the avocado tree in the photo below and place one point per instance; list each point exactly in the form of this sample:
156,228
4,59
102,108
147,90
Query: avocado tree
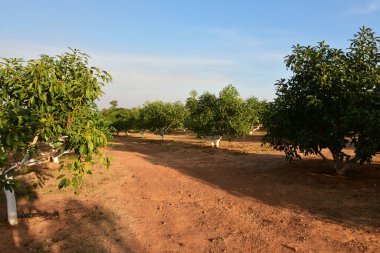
255,110
117,117
132,122
121,119
114,104
330,102
159,117
201,116
213,117
48,104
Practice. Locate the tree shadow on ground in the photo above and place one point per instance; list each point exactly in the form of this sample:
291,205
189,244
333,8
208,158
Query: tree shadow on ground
309,185
67,225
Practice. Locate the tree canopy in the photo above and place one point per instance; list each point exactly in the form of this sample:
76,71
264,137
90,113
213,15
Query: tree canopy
121,119
114,104
49,102
228,114
159,117
255,110
330,102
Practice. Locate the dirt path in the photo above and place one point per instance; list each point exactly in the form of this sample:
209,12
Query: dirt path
180,196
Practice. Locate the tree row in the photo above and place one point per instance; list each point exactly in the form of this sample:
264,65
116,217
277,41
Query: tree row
207,115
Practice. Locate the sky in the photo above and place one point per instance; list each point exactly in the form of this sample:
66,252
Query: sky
161,50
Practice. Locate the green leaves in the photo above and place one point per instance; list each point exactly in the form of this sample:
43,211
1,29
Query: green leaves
61,176
64,183
329,101
159,117
51,100
227,114
121,119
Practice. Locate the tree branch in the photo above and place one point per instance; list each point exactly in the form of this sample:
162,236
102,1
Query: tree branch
325,158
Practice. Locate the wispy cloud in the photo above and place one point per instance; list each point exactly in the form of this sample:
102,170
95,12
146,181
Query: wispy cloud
141,77
364,8
137,78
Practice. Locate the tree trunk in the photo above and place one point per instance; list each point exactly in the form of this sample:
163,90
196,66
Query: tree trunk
56,159
162,132
255,129
340,166
11,207
215,141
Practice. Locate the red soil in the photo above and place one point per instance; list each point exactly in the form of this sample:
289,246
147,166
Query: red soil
179,195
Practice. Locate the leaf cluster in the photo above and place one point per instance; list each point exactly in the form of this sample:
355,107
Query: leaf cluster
159,116
228,114
331,101
50,100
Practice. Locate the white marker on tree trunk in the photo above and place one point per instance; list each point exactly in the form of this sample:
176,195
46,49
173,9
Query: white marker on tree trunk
11,207
58,155
255,129
215,140
10,194
142,132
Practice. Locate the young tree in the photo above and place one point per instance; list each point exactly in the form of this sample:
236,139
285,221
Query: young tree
160,117
214,117
232,116
118,117
330,102
121,119
255,111
114,104
49,103
202,114
133,118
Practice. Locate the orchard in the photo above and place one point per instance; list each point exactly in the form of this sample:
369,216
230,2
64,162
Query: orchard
168,189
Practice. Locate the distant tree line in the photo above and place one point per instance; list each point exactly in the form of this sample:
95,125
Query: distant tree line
331,102
206,115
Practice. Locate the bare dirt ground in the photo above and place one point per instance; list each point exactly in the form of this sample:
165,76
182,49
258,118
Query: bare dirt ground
179,195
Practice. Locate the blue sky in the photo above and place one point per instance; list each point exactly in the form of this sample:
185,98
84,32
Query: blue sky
163,49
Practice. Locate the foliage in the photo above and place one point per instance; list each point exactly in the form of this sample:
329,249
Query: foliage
202,113
50,101
160,117
100,122
228,114
121,119
331,101
133,118
114,104
255,110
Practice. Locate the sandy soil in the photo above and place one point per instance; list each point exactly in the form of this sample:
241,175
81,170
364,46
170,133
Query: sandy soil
179,195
